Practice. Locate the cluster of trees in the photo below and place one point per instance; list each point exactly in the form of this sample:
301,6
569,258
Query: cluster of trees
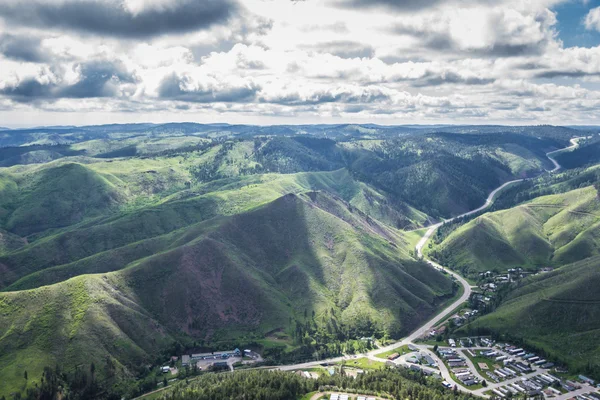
271,385
57,384
326,338
273,154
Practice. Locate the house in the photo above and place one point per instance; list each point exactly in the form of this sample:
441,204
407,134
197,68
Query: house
585,379
428,360
515,351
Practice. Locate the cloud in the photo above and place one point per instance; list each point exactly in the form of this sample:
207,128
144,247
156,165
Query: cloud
592,19
343,49
95,79
398,5
436,79
22,48
174,87
112,18
481,32
293,95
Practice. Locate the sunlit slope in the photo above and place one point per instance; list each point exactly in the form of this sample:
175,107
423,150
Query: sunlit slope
550,230
74,323
313,251
245,274
109,243
55,197
558,312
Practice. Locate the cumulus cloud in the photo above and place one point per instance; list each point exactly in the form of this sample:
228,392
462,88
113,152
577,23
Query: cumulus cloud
22,48
592,19
94,79
114,18
493,32
186,88
400,5
343,49
247,60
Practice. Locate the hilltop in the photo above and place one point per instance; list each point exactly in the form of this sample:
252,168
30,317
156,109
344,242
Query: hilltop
246,274
550,230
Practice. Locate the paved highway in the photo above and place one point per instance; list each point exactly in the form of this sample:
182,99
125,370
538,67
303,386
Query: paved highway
574,144
426,327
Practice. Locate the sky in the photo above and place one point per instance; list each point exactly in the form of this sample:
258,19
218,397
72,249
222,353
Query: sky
517,62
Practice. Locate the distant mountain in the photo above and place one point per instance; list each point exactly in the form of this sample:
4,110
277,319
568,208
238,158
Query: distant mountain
70,134
588,153
590,128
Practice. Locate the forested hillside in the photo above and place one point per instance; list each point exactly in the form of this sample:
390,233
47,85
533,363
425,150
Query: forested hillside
557,312
121,243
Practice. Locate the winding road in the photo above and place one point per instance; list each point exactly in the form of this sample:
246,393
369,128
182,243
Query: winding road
426,327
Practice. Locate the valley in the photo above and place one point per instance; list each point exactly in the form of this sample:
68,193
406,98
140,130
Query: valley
122,252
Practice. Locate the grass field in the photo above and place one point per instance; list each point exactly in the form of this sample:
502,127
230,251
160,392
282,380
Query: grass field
400,350
363,363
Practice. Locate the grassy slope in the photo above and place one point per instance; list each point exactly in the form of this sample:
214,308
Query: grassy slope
110,243
223,278
557,311
73,323
550,230
57,197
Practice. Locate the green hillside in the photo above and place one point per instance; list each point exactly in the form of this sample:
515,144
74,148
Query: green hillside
56,197
460,169
558,312
246,274
120,242
83,320
109,243
548,231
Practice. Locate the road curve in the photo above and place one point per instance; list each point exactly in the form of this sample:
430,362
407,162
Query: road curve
426,327
574,144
